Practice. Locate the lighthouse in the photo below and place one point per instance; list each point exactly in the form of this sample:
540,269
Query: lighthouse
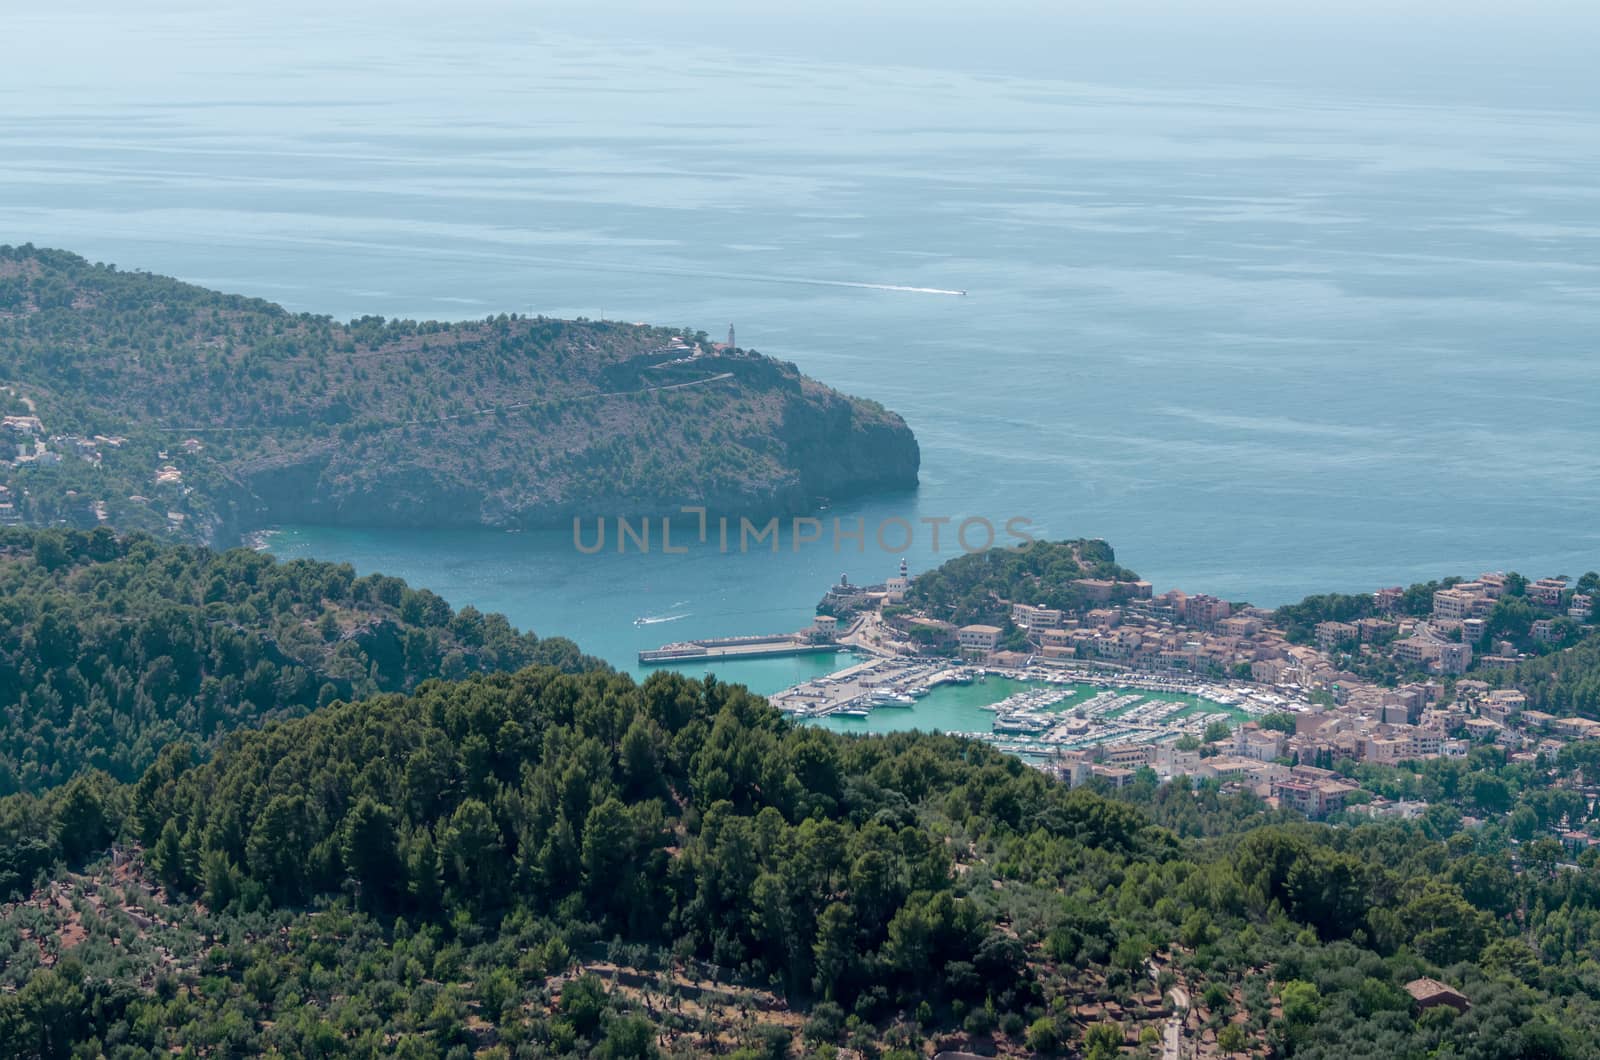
898,585
731,343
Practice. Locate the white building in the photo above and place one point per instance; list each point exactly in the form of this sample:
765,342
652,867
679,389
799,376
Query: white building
978,638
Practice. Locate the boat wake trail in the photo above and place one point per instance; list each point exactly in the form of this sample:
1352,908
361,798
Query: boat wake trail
843,283
589,265
653,620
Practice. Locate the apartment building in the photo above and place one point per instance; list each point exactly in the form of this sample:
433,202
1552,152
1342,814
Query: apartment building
1463,601
1501,704
1332,634
1036,617
978,638
1546,592
1204,610
1314,792
1445,656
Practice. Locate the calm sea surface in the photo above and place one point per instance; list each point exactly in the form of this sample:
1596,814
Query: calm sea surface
1268,338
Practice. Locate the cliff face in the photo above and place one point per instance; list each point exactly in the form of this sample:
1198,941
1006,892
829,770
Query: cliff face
843,447
819,445
231,414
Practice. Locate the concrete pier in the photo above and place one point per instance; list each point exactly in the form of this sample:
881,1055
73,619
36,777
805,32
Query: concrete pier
712,648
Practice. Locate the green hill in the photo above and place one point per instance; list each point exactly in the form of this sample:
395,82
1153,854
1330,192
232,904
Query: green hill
545,864
112,648
159,405
977,586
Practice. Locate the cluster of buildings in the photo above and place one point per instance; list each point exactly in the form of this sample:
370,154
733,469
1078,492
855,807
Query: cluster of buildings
1339,715
1475,599
1461,612
1501,716
1282,766
23,440
1129,626
1132,627
1379,726
1312,790
1383,727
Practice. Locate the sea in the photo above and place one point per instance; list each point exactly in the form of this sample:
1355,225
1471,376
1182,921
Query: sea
1275,303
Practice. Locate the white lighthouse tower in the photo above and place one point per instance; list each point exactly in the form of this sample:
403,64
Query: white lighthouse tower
898,585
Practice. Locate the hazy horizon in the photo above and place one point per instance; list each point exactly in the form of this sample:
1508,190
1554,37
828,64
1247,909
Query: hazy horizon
1479,53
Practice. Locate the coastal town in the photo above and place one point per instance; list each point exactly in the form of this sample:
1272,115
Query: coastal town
426,633
1196,686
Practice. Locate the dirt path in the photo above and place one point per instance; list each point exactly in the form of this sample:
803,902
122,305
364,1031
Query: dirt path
1172,1032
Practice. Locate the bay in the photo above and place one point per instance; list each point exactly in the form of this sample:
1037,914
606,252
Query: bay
1269,336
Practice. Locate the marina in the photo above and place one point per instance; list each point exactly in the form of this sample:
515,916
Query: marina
867,685
1038,709
1034,712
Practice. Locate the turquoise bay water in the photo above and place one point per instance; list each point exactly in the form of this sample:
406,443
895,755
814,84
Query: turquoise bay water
948,708
1268,336
760,675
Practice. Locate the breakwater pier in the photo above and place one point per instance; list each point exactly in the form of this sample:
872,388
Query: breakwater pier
752,647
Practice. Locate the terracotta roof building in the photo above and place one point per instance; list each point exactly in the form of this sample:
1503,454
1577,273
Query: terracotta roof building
1430,993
